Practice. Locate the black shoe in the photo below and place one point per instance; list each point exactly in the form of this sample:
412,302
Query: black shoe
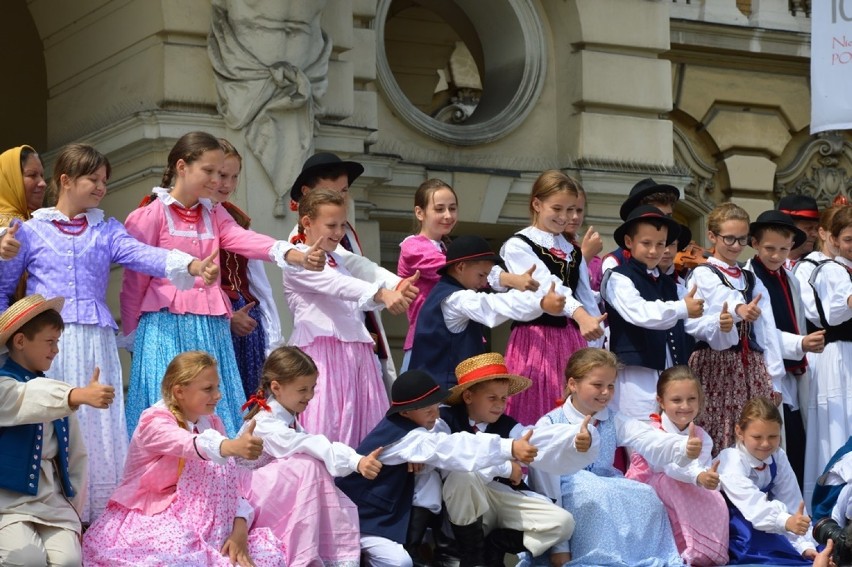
826,529
500,542
470,540
445,553
418,522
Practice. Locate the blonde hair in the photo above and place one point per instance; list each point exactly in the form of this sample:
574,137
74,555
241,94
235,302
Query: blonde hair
583,361
551,182
759,409
182,370
283,365
230,150
311,202
679,373
724,213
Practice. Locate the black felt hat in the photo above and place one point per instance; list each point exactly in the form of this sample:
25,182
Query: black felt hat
684,237
641,190
802,207
779,220
415,389
470,248
647,213
319,162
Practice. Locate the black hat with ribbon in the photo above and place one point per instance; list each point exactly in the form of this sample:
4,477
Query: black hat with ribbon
316,164
415,389
648,213
777,219
641,190
470,248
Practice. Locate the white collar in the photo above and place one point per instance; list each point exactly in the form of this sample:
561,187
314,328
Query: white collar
280,412
670,426
751,460
844,261
480,426
721,263
547,239
575,417
165,196
816,256
93,216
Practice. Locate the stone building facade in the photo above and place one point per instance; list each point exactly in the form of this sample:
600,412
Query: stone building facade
709,95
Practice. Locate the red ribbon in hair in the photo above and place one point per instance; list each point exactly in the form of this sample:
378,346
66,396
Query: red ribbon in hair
294,205
298,238
256,399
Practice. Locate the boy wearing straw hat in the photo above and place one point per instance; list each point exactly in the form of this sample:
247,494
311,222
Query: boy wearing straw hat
408,435
42,457
496,501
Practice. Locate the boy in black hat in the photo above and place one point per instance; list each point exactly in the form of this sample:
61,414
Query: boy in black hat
645,192
773,236
326,170
804,211
406,436
451,322
649,318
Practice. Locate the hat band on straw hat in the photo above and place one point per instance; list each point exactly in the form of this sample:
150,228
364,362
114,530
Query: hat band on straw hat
811,214
22,315
483,371
417,399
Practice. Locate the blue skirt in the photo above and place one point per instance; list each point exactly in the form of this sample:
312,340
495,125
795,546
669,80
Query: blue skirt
750,546
250,350
160,337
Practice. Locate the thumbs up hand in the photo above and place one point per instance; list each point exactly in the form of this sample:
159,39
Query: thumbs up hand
94,394
799,522
553,303
591,244
243,324
246,446
206,269
709,479
750,311
9,244
520,282
693,443
590,326
726,320
407,287
583,439
523,450
314,257
694,307
814,342
369,466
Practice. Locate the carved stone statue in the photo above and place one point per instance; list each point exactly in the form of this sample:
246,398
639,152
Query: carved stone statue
271,63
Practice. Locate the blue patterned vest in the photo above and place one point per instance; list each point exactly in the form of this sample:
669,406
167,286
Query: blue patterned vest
21,446
608,439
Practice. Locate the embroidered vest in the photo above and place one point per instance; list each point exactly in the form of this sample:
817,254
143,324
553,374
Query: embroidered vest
566,269
743,328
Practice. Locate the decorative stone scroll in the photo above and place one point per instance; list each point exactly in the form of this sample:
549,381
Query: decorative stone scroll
820,169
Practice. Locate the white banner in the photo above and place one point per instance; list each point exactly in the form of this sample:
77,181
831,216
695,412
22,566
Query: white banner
831,65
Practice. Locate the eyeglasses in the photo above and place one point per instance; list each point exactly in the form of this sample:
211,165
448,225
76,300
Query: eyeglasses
730,239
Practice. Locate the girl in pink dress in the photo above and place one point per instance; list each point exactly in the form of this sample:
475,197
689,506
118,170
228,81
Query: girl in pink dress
696,508
296,469
328,324
182,499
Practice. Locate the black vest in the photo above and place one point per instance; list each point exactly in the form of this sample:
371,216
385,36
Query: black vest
841,332
437,350
384,503
567,270
748,295
781,298
638,346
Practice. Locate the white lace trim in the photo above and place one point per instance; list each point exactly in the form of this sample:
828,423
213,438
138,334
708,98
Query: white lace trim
206,204
279,251
177,269
93,216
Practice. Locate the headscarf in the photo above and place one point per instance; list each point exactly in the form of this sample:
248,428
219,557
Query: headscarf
13,199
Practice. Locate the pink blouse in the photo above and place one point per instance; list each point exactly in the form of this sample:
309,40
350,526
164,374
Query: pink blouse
418,252
156,224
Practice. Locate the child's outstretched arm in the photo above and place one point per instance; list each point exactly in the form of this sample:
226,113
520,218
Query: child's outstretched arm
93,394
36,401
658,447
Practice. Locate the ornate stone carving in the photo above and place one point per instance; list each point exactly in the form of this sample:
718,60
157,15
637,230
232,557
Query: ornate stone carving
820,169
271,64
699,190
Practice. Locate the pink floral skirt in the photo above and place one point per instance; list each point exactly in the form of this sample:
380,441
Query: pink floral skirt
190,532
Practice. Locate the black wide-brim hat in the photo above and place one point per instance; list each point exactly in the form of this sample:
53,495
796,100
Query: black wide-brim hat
684,237
415,389
316,164
802,207
778,219
641,190
470,248
647,213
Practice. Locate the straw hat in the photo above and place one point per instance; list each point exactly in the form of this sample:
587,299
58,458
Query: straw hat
22,311
488,366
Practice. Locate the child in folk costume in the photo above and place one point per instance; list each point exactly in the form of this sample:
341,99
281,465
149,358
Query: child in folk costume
328,312
804,211
604,504
539,348
773,236
255,323
453,318
182,499
407,435
166,320
67,251
645,192
753,366
436,212
768,525
292,488
697,511
42,454
493,511
650,319
829,421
